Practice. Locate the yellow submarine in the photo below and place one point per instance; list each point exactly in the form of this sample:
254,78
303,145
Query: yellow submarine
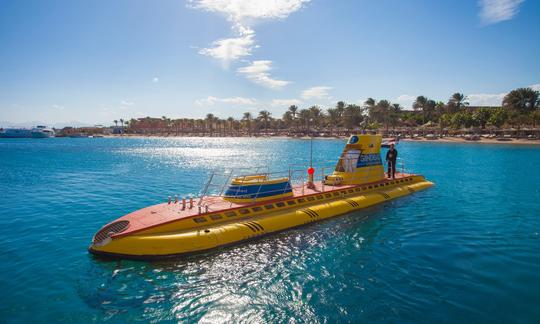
253,205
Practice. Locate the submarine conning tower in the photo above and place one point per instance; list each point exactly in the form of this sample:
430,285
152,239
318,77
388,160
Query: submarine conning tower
360,161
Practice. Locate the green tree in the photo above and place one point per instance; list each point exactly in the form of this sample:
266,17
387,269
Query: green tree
264,115
481,116
457,102
462,119
288,118
395,112
316,115
333,117
498,117
353,116
209,122
293,110
246,120
383,108
420,105
445,120
522,100
304,117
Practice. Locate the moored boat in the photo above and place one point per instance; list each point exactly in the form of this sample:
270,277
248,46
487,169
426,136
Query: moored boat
36,132
252,205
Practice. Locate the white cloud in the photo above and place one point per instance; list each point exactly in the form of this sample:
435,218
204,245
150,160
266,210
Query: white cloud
485,99
320,92
155,80
495,11
258,72
126,103
242,14
210,100
406,101
242,10
231,49
535,86
285,102
58,107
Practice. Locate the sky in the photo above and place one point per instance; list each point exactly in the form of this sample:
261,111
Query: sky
91,62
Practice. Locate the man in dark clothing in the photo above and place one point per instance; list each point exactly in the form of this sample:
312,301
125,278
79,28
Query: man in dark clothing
391,157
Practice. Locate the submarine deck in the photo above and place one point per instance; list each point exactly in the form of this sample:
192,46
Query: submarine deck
163,213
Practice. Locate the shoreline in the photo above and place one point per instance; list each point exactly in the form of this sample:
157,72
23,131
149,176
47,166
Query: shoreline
459,140
511,141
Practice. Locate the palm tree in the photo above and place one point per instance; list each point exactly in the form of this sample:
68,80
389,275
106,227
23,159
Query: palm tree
395,111
209,121
115,123
122,126
230,121
429,108
264,115
370,102
333,118
288,118
247,118
304,116
340,107
383,110
420,104
316,115
353,115
457,101
522,100
293,109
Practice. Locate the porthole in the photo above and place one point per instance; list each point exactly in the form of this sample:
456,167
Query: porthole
280,204
256,209
310,198
350,191
230,214
319,197
216,217
336,194
291,202
327,195
301,200
244,211
199,219
269,206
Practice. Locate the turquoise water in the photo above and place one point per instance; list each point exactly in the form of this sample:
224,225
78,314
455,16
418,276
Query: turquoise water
467,249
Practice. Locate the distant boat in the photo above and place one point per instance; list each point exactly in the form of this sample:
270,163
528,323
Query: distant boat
37,132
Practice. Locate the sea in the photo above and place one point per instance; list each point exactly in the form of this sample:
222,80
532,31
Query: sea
466,250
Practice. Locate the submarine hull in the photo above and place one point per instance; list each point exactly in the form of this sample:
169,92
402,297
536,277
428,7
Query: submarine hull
156,233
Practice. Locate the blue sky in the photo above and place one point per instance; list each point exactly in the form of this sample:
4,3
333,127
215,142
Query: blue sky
95,61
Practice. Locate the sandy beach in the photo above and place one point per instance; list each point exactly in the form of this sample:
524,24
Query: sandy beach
513,141
521,141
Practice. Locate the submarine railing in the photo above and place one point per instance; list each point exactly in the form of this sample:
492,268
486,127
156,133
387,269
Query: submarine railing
295,173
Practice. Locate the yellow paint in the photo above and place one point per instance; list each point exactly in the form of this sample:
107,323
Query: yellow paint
163,240
346,171
256,180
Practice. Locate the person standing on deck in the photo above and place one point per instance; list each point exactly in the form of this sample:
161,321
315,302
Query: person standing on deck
391,157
